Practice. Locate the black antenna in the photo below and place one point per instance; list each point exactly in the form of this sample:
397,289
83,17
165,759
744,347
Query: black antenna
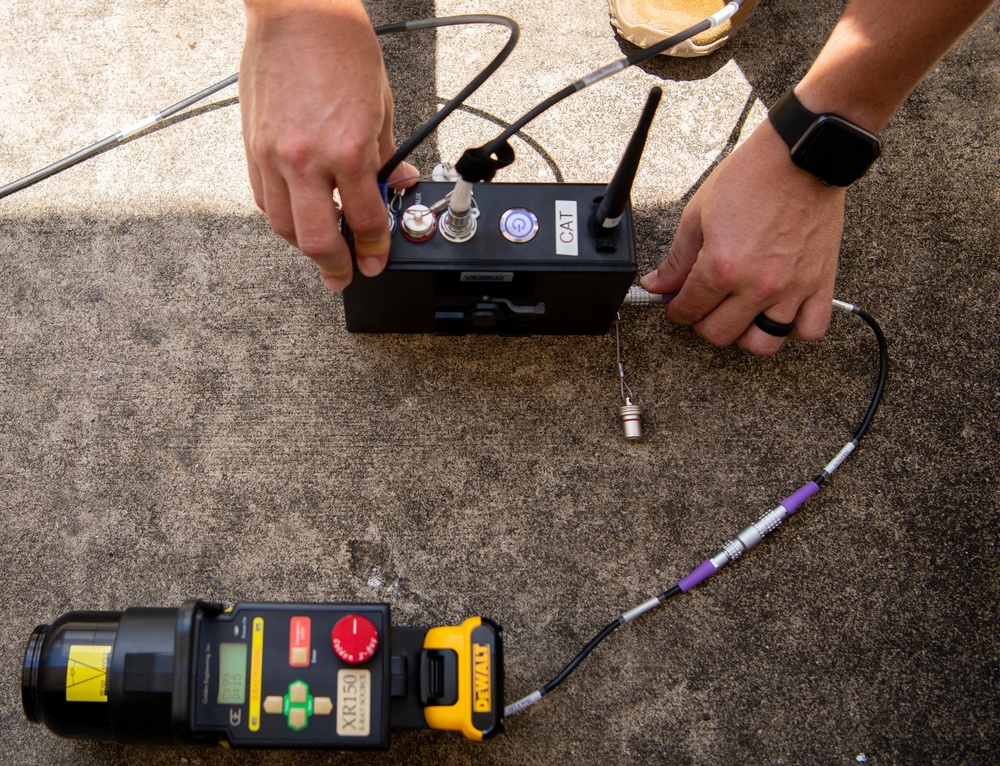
617,193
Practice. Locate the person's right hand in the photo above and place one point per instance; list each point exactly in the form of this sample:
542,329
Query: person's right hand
760,235
317,115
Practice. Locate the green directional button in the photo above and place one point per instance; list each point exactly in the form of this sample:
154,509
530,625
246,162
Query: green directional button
297,718
298,692
298,705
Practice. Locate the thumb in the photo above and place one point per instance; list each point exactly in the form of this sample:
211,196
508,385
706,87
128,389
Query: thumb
404,176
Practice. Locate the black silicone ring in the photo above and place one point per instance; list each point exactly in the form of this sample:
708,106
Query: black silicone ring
768,325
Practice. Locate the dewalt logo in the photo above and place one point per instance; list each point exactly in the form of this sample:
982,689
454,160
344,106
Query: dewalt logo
482,692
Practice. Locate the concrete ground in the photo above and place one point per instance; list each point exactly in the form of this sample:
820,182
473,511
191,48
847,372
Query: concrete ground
182,413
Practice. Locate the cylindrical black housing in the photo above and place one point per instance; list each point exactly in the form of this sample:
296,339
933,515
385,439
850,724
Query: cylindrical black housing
103,675
44,675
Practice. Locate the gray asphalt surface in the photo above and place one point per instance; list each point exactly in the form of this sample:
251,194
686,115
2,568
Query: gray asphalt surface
183,414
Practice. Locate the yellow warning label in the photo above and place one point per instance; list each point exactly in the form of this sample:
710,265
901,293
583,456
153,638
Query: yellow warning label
87,674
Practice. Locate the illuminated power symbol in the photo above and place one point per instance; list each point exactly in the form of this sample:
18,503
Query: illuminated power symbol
518,225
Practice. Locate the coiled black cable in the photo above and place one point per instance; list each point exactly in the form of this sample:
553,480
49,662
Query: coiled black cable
883,376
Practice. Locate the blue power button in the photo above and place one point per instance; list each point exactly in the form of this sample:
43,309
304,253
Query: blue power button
518,225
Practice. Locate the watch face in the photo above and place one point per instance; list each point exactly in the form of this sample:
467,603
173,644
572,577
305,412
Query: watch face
836,151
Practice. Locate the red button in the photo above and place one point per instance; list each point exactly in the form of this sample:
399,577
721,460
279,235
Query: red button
299,642
354,638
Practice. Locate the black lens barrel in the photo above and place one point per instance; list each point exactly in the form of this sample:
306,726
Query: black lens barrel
103,675
49,694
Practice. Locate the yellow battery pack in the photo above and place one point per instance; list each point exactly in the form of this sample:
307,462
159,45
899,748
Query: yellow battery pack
474,649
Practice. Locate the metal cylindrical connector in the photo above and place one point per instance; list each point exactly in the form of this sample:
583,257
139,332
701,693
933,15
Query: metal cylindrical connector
418,223
639,296
631,417
458,227
458,222
749,537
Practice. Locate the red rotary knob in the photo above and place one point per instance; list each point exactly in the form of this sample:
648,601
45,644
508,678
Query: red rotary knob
354,639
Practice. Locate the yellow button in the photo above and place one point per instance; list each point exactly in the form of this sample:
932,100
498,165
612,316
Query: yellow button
297,718
273,705
297,692
322,705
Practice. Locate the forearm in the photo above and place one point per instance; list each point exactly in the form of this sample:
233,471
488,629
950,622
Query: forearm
296,19
879,51
285,6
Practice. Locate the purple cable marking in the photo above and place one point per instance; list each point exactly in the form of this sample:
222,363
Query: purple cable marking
667,297
705,570
797,498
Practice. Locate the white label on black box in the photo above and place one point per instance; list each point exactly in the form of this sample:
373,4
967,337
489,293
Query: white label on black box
354,703
486,276
567,235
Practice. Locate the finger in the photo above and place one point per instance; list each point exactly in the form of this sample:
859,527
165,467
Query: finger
759,341
811,321
404,176
366,214
362,201
316,230
683,253
270,192
813,318
692,268
256,182
276,204
253,172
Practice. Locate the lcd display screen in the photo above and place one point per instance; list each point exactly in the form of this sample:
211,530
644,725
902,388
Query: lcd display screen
232,674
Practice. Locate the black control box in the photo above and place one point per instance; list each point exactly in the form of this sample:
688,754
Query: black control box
267,675
283,675
536,264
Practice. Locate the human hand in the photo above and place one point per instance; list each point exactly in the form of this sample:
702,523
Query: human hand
317,115
760,235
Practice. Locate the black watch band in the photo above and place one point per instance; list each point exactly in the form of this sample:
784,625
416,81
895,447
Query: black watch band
835,150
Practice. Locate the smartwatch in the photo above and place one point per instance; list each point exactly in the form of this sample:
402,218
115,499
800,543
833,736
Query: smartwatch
833,149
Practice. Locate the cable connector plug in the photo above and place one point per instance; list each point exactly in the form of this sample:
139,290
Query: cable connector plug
640,296
458,222
749,537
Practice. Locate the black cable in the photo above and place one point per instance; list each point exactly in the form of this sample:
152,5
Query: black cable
497,153
605,632
113,140
593,643
411,143
590,79
431,125
708,568
883,375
